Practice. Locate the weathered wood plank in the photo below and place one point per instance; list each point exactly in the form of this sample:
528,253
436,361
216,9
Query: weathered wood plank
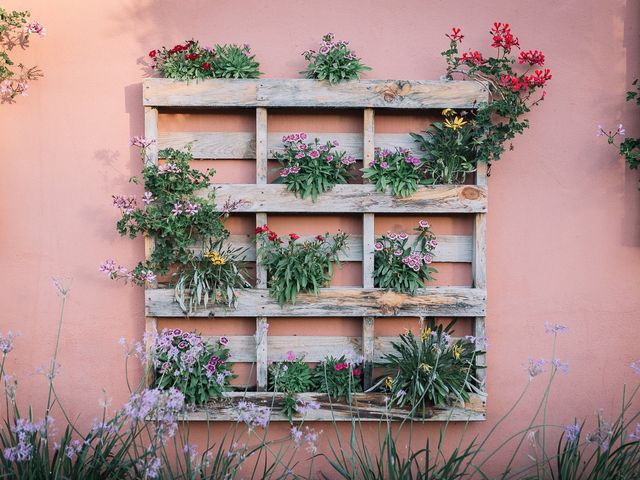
274,198
336,302
364,407
242,145
479,272
272,92
451,248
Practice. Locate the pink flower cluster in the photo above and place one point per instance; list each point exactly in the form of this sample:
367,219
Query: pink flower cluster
187,208
415,260
126,204
117,272
37,28
140,142
294,137
169,168
384,157
327,45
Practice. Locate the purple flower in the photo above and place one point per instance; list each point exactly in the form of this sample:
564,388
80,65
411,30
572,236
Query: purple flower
621,131
126,204
302,136
6,342
224,341
296,435
147,198
635,436
177,209
378,246
151,467
335,143
253,415
284,172
600,131
291,356
191,208
314,153
635,366
349,160
572,431
384,165
536,367
554,328
561,366
305,407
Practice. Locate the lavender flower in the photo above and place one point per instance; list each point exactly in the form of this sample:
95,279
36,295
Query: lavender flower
150,466
554,328
252,415
305,407
600,131
536,367
635,365
126,204
6,342
635,436
561,366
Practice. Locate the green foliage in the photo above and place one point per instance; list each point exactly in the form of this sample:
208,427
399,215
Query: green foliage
334,61
401,266
290,377
234,61
212,275
449,148
198,369
188,61
172,215
294,266
630,147
398,170
309,169
338,377
429,369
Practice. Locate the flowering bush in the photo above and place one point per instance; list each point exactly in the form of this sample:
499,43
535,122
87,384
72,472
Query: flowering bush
191,61
294,266
184,361
399,170
16,30
629,148
450,149
334,61
213,275
309,169
511,88
289,377
339,377
430,369
401,266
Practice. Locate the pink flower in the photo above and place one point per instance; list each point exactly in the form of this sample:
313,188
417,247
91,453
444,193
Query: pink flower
378,246
36,27
284,172
177,209
403,236
191,208
291,356
224,341
348,160
147,198
341,366
335,143
5,88
314,153
140,142
303,136
423,224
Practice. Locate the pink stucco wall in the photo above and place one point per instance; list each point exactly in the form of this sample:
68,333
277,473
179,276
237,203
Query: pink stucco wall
564,221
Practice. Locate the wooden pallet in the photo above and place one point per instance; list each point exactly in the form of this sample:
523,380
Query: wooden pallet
262,199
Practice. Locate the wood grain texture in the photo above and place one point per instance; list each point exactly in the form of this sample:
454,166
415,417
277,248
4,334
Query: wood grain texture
242,145
272,92
479,273
335,302
275,198
451,248
364,407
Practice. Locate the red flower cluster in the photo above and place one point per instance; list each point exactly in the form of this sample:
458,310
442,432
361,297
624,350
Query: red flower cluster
273,236
206,66
341,366
455,35
532,57
473,57
319,238
515,83
502,37
540,77
262,229
191,56
294,236
153,53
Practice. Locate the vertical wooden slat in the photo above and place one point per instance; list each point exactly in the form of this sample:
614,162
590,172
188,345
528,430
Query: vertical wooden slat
368,239
261,271
479,269
150,133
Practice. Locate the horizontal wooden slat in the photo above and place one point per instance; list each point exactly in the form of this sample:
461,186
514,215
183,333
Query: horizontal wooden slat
234,145
364,407
334,302
272,92
451,248
274,198
313,348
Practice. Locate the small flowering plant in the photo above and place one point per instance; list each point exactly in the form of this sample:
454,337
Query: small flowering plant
449,148
429,369
334,61
16,30
184,361
513,82
291,376
212,276
402,266
398,170
309,169
190,61
339,377
294,266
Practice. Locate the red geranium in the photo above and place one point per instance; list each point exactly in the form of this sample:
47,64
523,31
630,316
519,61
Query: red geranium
153,53
341,366
191,56
273,236
206,66
262,229
532,57
502,37
294,236
473,57
455,35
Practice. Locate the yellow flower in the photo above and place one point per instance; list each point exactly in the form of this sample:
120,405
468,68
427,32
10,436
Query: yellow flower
388,383
215,258
457,123
457,351
448,112
425,333
425,367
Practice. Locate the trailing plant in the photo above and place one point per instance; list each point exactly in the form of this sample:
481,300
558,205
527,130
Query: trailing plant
512,82
401,265
629,148
213,275
449,148
309,169
235,61
290,376
16,31
430,369
339,377
198,369
334,61
398,170
293,266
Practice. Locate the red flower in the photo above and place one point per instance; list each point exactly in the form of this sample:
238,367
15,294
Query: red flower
273,236
341,366
320,238
191,56
206,66
540,77
153,53
473,57
514,83
532,57
502,37
294,236
356,372
262,229
455,35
